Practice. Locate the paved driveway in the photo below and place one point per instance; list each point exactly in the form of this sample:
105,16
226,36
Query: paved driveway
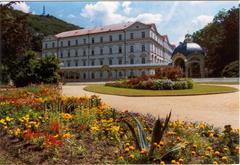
217,109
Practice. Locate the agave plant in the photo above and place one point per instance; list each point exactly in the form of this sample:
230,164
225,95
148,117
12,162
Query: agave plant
159,129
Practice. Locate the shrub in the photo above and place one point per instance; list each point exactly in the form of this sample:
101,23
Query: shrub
167,84
148,84
172,73
189,83
158,84
231,70
180,85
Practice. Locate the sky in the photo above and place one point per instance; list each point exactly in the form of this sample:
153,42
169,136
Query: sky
173,18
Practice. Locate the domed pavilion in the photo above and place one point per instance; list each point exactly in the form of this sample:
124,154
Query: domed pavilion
190,57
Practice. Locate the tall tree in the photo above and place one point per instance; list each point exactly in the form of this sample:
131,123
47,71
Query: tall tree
220,40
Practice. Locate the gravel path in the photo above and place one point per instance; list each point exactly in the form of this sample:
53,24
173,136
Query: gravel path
217,109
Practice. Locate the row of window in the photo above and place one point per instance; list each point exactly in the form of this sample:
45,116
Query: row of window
101,51
101,62
93,75
93,40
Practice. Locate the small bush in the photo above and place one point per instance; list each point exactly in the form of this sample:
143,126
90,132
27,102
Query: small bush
231,70
180,85
158,84
189,83
167,84
172,73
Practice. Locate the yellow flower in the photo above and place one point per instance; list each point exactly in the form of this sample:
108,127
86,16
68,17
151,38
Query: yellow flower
94,129
3,122
126,149
127,144
171,133
56,136
67,135
161,143
224,158
173,161
180,160
131,148
209,148
193,153
211,135
131,156
17,132
194,146
162,162
66,116
183,147
8,119
225,149
215,162
217,153
121,158
115,128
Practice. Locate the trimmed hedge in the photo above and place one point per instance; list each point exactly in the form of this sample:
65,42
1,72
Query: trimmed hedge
150,84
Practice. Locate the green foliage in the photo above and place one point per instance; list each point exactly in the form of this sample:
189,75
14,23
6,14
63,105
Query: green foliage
220,40
29,69
231,70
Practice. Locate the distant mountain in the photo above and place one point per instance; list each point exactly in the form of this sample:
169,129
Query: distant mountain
42,25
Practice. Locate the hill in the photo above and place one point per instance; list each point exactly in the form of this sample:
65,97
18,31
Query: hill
42,25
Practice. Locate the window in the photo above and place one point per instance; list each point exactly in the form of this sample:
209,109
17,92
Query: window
68,63
143,48
101,74
69,43
131,36
143,60
93,63
92,40
68,53
131,61
119,49
92,52
120,37
143,73
110,38
120,74
76,42
143,34
93,75
76,53
53,44
131,49
131,74
101,39
119,61
84,52
84,62
84,75
110,50
101,62
101,51
110,61
61,54
46,45
76,62
84,40
61,44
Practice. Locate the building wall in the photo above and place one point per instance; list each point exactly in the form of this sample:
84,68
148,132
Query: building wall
138,44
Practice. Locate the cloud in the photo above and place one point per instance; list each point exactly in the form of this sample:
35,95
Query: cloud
103,13
22,6
196,2
202,20
71,16
126,7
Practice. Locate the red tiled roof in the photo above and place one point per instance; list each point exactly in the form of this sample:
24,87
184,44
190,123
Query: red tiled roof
101,29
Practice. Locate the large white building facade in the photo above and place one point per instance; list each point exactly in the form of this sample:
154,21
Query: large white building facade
109,52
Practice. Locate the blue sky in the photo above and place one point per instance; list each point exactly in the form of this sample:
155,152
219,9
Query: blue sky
175,18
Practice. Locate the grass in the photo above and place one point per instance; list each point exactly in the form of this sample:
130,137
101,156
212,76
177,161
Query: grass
222,83
198,89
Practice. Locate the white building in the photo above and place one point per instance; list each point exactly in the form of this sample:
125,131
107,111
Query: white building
109,52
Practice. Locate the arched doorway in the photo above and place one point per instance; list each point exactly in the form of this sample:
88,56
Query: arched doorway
179,62
194,70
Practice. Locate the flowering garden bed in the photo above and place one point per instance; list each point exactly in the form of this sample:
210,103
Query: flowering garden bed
38,125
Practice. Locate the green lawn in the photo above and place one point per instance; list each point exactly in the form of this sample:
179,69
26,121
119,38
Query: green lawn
223,83
198,89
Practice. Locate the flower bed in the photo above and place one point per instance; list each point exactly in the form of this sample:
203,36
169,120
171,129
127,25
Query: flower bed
40,126
151,83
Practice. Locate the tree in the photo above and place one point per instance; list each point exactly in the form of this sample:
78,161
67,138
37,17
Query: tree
220,40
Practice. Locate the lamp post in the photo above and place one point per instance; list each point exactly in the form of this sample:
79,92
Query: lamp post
186,67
